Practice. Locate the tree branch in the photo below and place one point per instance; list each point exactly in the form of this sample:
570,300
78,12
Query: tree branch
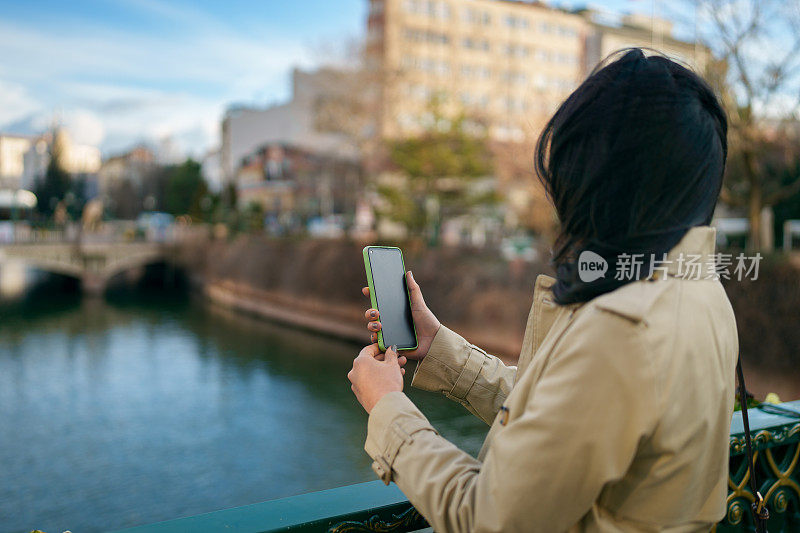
787,191
731,198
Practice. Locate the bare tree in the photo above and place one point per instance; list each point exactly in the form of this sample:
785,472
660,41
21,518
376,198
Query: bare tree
352,101
757,43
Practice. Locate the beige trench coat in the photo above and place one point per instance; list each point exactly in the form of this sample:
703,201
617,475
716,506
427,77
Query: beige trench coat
615,419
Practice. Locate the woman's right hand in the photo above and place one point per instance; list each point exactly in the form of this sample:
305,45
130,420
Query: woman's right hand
425,322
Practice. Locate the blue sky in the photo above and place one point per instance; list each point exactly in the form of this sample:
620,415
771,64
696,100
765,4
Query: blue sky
118,72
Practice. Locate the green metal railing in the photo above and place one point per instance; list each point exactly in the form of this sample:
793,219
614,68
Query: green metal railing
374,507
776,443
370,506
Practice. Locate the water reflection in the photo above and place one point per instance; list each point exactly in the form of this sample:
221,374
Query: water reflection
151,407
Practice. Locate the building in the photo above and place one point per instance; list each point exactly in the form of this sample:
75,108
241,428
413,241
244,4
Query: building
129,182
81,159
211,170
507,63
503,65
296,123
12,160
610,32
24,158
132,167
288,182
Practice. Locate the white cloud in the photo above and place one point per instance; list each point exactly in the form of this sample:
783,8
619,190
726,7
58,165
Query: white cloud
115,87
15,102
202,57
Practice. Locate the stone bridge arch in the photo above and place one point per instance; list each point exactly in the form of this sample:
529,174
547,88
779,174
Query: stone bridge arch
93,263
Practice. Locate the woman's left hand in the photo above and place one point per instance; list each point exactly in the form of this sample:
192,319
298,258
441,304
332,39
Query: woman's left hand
375,374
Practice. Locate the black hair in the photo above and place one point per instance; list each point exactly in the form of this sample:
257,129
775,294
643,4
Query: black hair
631,161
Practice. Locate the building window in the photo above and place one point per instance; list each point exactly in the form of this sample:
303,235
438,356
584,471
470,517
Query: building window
475,44
426,36
565,58
431,8
509,132
543,55
563,85
426,64
475,16
407,121
514,76
513,21
516,50
515,104
469,99
419,92
476,72
376,7
566,31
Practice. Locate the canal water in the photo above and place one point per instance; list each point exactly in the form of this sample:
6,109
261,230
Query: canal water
147,407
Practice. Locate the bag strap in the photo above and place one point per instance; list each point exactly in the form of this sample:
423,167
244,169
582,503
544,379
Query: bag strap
760,511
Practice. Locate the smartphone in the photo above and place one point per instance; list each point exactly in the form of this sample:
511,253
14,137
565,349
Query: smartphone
386,277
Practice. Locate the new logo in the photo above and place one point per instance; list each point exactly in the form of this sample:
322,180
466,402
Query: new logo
591,266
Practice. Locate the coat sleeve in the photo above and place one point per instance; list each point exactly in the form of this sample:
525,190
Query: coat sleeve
579,430
465,373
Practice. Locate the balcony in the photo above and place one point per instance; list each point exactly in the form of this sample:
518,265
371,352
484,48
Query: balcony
374,507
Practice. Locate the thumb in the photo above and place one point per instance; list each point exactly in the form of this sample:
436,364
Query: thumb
391,355
414,291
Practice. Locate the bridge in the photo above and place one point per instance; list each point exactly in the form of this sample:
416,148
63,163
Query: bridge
92,258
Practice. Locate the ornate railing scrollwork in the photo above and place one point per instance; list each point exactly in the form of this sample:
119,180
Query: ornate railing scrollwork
408,520
777,461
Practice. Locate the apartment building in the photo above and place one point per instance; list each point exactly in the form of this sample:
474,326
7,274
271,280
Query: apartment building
12,160
506,64
24,158
298,122
607,36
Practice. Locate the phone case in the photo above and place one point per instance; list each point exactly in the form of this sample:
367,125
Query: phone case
374,301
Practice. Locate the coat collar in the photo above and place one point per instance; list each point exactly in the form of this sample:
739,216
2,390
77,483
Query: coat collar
697,247
692,257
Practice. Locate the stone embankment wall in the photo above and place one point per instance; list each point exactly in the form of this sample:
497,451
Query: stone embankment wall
316,284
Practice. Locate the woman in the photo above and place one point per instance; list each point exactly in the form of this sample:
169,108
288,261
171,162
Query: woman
617,415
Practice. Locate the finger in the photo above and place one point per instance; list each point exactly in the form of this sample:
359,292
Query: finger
373,337
365,291
371,314
402,360
403,371
391,355
369,351
414,291
374,326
